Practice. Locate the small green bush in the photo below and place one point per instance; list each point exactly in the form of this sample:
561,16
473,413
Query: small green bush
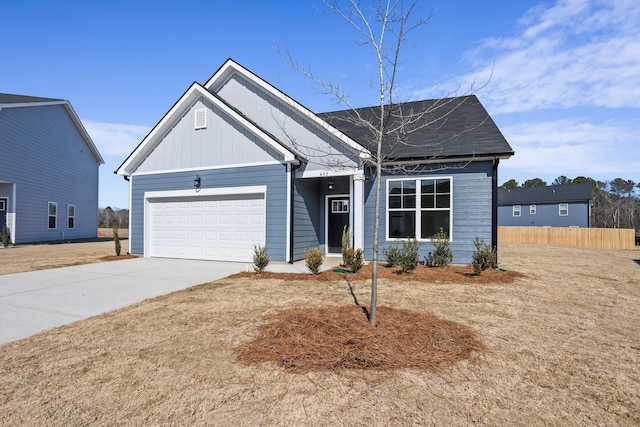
441,255
313,260
346,245
260,258
116,240
392,254
6,236
484,257
355,259
409,255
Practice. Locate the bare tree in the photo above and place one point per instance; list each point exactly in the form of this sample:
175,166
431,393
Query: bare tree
383,27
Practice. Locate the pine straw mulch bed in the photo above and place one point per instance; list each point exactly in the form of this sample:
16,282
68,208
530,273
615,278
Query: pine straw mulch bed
333,338
340,337
460,274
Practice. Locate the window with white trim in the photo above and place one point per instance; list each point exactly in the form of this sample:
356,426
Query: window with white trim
71,216
340,206
532,209
517,209
418,207
563,209
53,214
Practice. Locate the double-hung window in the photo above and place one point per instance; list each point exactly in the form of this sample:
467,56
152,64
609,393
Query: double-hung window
517,209
563,209
53,213
71,216
418,207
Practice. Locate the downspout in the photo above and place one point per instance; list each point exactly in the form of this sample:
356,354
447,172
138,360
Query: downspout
494,204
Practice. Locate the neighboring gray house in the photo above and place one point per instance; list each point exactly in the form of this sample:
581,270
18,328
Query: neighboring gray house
566,205
236,162
48,171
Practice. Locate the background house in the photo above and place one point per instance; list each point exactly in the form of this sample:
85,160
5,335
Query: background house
236,162
48,171
566,205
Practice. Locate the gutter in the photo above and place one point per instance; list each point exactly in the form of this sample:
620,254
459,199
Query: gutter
494,204
294,166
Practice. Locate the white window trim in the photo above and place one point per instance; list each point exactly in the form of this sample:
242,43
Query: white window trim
418,208
517,211
71,216
49,215
566,209
532,209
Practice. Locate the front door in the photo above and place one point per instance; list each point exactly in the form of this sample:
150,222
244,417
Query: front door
337,220
3,212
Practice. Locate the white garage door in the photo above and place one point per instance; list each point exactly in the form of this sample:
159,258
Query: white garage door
223,228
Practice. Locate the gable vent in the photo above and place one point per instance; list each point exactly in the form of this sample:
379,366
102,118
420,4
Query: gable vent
201,118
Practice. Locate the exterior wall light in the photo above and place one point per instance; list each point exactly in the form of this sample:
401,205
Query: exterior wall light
196,182
330,185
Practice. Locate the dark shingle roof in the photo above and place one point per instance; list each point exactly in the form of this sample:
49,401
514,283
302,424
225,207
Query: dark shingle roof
7,98
449,128
550,194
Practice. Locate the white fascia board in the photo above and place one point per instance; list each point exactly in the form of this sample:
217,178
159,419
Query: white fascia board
326,173
185,102
74,117
206,192
230,66
443,160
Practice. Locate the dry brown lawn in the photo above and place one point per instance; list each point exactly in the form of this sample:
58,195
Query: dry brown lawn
563,348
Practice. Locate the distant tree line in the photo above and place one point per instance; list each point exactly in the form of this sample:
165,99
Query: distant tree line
616,203
109,218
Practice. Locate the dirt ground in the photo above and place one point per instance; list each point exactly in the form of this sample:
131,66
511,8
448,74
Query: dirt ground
563,348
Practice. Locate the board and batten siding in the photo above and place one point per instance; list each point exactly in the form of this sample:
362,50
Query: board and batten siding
471,186
547,215
222,142
315,144
45,156
273,176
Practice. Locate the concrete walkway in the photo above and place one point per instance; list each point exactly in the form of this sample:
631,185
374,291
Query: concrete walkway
39,300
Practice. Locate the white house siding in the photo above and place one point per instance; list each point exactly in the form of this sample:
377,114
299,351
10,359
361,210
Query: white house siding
472,209
43,153
271,114
272,176
222,142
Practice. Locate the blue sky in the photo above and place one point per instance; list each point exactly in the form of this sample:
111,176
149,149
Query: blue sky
563,77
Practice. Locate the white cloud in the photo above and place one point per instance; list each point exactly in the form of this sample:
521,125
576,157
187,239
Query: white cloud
115,139
572,148
574,53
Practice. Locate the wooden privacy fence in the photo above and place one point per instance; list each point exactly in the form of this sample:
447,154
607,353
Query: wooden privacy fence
604,238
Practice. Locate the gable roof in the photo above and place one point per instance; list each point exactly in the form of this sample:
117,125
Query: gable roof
437,129
195,91
550,194
20,101
226,71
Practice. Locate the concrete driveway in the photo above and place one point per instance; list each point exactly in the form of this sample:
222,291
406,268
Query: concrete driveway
39,300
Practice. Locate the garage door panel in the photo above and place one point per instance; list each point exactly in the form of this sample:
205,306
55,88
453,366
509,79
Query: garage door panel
215,228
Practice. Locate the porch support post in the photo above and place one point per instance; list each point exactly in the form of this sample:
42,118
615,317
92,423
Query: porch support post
358,210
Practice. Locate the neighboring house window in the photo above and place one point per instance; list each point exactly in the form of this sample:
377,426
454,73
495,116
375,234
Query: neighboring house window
532,209
564,209
53,212
418,208
201,118
71,216
516,210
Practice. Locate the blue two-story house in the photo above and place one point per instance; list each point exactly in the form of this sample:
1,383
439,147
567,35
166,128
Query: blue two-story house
48,171
566,205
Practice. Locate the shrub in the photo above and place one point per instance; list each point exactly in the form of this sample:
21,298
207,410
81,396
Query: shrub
355,259
441,255
409,255
346,245
484,257
260,258
6,236
313,260
116,240
392,254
